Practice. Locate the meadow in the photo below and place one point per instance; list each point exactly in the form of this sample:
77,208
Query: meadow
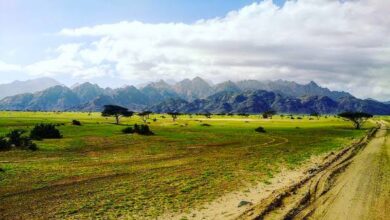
96,171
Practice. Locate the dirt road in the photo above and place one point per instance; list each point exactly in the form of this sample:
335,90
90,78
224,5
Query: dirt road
363,190
354,184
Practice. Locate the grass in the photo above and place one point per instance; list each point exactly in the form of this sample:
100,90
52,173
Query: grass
97,171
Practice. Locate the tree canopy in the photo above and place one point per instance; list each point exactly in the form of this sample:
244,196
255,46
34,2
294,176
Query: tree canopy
116,111
269,113
357,118
174,115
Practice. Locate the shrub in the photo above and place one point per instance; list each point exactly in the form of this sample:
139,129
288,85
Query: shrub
42,131
4,144
128,130
76,122
205,125
26,143
32,146
15,137
142,130
138,129
260,130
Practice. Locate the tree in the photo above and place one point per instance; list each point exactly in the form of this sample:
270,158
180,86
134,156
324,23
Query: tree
357,118
243,115
174,115
116,111
207,114
144,115
316,114
269,114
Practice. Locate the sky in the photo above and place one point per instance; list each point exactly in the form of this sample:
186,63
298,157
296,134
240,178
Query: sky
342,45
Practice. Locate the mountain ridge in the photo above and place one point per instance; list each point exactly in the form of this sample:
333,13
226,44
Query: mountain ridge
29,86
196,95
259,101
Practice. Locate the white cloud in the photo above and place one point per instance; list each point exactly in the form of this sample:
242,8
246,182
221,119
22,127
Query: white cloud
68,62
6,67
344,45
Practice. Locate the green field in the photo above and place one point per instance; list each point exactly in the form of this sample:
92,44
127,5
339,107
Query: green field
96,171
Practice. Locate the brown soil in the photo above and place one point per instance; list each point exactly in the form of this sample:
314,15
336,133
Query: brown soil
352,184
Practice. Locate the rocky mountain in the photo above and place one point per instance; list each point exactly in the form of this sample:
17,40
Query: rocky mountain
87,91
227,86
159,91
196,95
198,88
29,86
55,98
260,100
88,97
193,89
291,88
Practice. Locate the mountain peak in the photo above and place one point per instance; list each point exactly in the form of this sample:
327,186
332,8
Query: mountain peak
161,84
312,83
198,79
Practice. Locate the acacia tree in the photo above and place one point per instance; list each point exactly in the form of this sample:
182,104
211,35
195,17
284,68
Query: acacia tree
174,115
357,118
116,111
316,114
144,115
269,114
207,114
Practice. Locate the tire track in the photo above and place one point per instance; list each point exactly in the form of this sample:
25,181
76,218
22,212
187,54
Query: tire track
296,201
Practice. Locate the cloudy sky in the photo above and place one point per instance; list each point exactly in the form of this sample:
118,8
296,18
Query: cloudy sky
340,44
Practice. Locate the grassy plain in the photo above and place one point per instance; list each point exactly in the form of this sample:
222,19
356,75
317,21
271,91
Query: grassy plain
95,171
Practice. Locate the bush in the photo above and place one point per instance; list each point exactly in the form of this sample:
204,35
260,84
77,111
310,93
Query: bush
15,137
138,129
260,130
76,122
205,125
142,130
32,146
43,131
4,144
128,130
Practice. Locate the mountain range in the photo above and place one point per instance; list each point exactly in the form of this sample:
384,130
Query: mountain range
196,96
29,86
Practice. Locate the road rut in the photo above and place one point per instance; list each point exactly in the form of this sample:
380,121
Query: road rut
352,184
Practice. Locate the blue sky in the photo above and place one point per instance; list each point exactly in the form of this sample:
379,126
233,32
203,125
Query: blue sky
342,45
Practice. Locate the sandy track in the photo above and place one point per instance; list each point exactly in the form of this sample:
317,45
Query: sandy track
363,190
353,184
